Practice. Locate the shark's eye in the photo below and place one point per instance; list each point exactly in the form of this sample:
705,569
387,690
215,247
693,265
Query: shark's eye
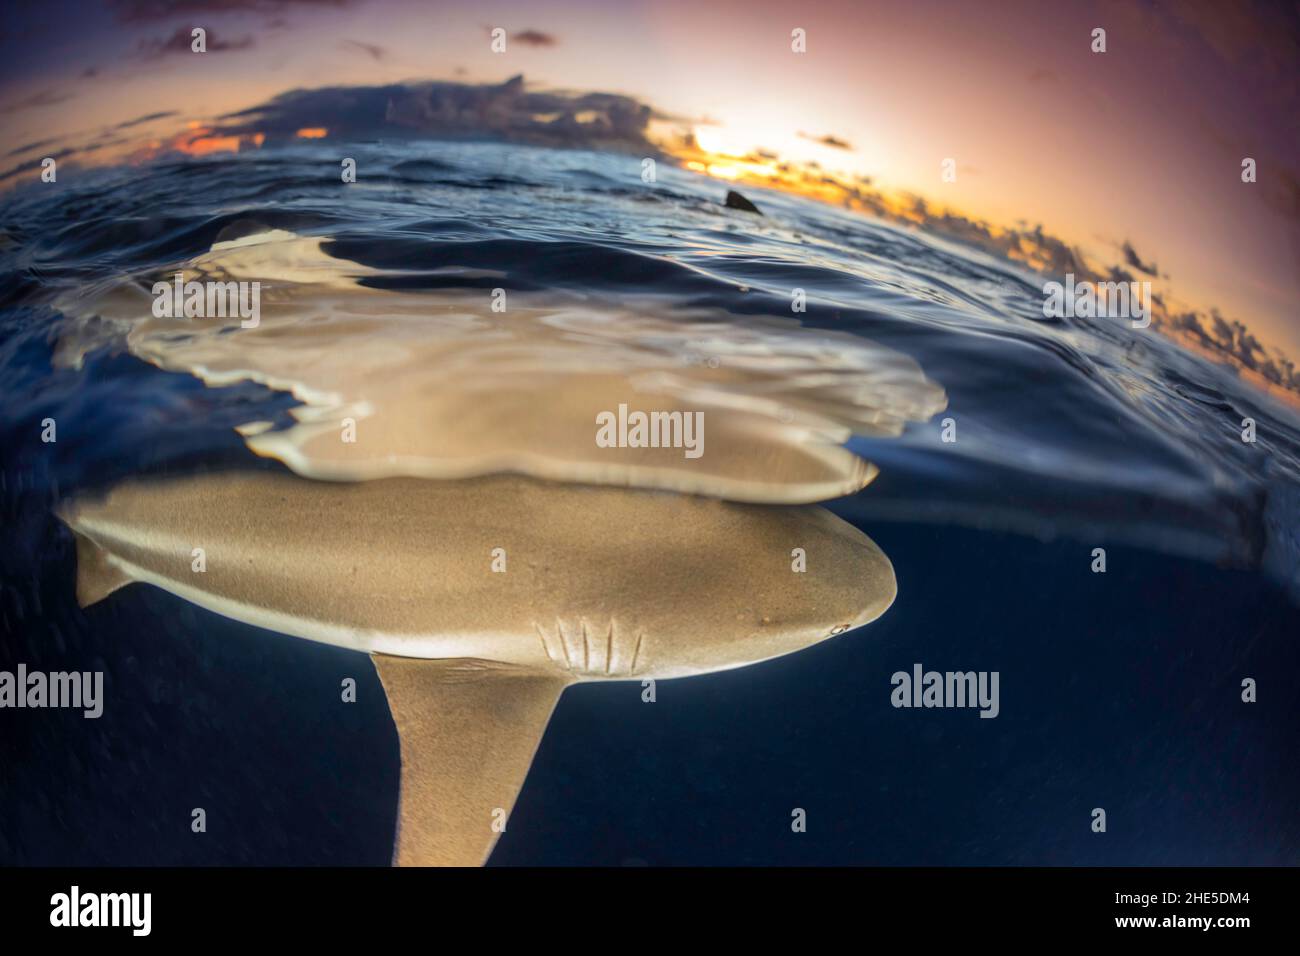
839,629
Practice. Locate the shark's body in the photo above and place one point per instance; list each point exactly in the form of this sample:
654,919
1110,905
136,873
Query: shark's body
481,600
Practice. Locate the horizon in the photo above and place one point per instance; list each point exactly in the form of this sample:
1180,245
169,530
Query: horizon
728,97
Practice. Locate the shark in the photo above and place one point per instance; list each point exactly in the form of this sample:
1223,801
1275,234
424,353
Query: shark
480,600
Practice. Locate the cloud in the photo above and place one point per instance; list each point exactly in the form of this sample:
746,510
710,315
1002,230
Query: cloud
1232,340
507,111
375,52
828,140
529,37
535,38
30,147
36,101
147,118
182,41
144,11
1131,257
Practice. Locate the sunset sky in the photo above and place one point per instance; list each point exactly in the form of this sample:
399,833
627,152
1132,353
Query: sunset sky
1142,144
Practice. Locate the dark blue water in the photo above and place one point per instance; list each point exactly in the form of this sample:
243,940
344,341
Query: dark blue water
1119,690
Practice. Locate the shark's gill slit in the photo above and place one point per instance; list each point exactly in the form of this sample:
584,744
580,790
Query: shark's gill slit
609,646
636,654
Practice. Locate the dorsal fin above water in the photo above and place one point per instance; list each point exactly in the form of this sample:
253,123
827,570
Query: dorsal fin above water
97,576
468,732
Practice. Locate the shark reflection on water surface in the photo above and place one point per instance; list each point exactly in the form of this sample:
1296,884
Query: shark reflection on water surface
442,384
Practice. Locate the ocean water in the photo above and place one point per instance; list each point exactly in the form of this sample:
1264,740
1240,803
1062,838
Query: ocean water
1119,690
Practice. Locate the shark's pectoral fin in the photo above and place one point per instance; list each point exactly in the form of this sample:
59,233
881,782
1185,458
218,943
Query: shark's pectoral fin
97,577
468,731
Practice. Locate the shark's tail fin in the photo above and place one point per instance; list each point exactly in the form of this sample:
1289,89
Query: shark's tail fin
468,731
97,576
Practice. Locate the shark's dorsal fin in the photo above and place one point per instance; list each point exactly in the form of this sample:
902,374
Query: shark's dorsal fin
97,576
468,731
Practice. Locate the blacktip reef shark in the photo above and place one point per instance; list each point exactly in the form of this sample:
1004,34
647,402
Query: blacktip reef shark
600,583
